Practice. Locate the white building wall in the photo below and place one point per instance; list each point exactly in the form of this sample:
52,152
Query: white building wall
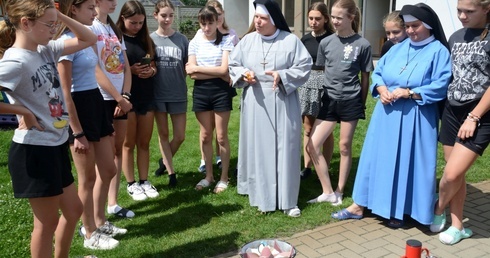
445,9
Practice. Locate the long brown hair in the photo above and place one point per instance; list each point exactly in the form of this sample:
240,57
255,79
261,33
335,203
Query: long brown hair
15,11
353,11
323,9
130,9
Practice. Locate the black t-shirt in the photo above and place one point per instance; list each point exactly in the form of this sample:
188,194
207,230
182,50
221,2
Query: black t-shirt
141,89
311,43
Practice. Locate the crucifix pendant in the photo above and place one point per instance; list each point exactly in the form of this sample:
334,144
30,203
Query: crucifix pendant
403,69
264,63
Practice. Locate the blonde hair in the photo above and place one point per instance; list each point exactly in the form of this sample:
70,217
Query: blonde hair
395,18
352,10
217,4
162,4
485,4
15,11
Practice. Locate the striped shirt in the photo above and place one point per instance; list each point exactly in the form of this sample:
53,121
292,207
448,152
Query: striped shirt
207,53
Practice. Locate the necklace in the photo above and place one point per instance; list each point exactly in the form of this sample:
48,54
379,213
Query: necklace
409,60
265,55
348,36
127,35
106,27
319,34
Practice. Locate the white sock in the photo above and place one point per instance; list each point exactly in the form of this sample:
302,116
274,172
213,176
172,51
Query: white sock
202,163
327,197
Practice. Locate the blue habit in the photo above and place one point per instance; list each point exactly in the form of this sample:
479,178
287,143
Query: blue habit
397,168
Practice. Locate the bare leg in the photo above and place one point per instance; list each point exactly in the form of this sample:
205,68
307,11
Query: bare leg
320,132
143,137
71,209
221,122
206,137
106,171
347,130
452,187
128,147
46,217
120,134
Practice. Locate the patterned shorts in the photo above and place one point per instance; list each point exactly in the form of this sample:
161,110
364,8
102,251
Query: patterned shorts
310,94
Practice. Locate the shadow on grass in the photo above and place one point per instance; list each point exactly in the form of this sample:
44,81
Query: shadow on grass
202,248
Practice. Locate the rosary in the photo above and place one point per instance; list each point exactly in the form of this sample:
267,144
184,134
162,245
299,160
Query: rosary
408,61
265,55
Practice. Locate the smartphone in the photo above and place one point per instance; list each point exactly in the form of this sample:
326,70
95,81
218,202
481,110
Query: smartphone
145,60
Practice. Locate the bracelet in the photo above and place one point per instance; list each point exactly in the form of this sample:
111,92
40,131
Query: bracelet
473,119
126,95
477,117
154,71
78,135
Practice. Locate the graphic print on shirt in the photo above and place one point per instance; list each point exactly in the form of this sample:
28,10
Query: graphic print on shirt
49,73
347,53
168,56
469,64
112,54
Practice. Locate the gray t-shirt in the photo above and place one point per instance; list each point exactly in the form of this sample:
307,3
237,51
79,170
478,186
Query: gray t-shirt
33,81
171,57
471,66
343,59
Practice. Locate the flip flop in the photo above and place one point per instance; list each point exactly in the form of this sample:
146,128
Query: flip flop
453,235
345,214
202,184
220,186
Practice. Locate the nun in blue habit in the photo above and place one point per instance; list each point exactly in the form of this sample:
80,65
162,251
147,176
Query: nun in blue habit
396,175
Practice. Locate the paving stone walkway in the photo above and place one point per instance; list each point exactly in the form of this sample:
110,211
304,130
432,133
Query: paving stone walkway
370,237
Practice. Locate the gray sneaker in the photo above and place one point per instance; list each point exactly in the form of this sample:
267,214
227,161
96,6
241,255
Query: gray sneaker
99,241
111,230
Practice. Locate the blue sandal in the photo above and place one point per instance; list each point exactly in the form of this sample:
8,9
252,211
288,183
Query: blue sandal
453,235
345,214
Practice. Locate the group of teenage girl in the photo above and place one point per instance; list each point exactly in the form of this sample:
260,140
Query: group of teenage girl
76,62
115,78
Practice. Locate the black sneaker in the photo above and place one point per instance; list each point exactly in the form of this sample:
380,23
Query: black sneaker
161,170
172,180
305,173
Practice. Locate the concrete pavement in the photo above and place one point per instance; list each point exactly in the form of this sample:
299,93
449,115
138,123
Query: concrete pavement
370,237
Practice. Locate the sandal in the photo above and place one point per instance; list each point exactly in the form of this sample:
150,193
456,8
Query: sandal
220,186
293,212
345,214
124,213
396,223
453,235
202,184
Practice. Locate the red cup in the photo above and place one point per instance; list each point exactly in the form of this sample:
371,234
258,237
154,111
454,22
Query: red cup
414,249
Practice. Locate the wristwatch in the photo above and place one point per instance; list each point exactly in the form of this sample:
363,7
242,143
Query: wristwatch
410,94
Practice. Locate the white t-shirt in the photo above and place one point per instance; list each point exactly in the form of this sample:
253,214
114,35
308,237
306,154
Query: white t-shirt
207,53
32,80
111,56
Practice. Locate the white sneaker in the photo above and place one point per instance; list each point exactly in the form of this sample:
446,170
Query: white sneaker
136,192
99,241
111,230
149,189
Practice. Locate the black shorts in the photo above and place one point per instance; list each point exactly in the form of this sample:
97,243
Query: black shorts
212,95
143,107
341,110
452,119
39,171
110,107
91,114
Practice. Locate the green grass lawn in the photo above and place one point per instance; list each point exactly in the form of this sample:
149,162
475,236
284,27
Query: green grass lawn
183,222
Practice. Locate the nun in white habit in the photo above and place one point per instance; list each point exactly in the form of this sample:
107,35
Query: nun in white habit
270,64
